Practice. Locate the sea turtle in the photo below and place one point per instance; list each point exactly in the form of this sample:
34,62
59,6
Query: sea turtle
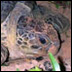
24,36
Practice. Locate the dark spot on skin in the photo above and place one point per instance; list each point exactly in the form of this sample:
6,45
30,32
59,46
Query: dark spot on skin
20,39
19,42
50,19
48,66
25,43
39,58
34,47
26,38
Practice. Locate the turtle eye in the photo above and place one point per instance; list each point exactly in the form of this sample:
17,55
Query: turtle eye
42,40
